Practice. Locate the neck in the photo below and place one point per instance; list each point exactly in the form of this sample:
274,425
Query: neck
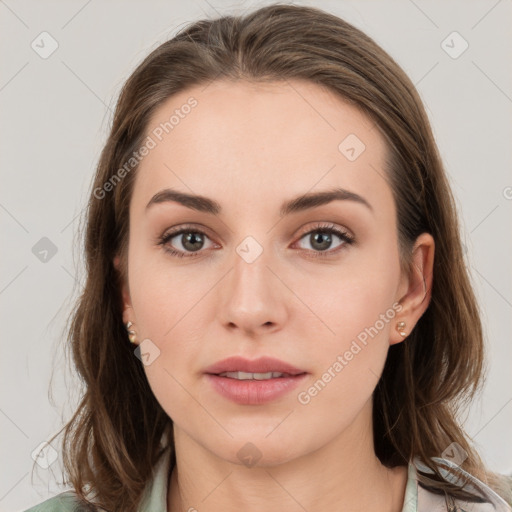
344,474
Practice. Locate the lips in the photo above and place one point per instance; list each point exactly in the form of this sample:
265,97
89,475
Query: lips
253,391
255,382
262,365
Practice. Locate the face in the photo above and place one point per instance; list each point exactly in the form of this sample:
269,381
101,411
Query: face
316,288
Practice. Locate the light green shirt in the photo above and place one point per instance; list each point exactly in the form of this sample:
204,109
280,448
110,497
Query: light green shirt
416,498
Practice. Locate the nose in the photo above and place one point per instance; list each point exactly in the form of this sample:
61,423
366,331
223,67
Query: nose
252,298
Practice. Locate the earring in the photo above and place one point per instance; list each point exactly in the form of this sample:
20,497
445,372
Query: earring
400,328
132,335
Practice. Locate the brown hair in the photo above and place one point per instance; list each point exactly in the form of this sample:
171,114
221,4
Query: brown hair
109,448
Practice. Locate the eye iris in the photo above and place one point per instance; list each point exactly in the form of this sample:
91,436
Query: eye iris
192,238
323,237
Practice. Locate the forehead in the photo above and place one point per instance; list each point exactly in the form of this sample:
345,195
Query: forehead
241,141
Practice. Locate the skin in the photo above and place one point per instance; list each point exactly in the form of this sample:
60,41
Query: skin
251,147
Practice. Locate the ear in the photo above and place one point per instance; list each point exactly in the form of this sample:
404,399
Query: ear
416,288
125,291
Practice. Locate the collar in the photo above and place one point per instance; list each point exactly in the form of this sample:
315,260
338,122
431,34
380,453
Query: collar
154,498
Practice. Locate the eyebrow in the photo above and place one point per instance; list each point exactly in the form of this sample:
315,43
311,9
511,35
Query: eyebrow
297,204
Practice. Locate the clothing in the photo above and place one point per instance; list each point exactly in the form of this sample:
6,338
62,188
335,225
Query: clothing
416,498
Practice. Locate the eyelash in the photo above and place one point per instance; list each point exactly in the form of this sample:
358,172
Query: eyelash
322,228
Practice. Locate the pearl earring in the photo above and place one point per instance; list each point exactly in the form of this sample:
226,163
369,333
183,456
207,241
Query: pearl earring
132,335
400,328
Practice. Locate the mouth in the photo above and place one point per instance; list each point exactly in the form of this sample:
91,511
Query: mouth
255,382
254,388
257,376
263,368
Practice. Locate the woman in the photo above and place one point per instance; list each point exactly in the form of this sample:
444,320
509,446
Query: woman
271,228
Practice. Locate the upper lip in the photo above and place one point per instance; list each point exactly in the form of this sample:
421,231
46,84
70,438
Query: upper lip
260,365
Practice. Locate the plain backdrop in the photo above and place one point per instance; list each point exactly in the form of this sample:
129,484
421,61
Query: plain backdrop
56,111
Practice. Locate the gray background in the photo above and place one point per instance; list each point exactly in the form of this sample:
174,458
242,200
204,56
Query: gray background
55,114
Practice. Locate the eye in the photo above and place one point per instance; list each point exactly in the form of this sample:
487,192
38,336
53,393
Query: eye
190,239
320,239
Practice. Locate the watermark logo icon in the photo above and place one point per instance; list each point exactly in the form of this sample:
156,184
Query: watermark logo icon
44,455
351,147
249,249
455,453
44,250
454,45
44,45
249,455
147,352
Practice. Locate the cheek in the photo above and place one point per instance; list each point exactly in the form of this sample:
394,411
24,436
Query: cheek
355,297
172,308
168,313
350,359
166,296
357,310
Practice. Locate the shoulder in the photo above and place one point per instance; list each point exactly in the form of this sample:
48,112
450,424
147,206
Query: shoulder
63,502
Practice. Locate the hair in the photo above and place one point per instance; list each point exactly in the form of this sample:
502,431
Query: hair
111,448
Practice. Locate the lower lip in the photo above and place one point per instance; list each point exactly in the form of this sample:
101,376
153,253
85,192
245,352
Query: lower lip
254,392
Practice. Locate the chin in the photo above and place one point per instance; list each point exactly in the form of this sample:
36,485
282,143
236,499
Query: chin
257,451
